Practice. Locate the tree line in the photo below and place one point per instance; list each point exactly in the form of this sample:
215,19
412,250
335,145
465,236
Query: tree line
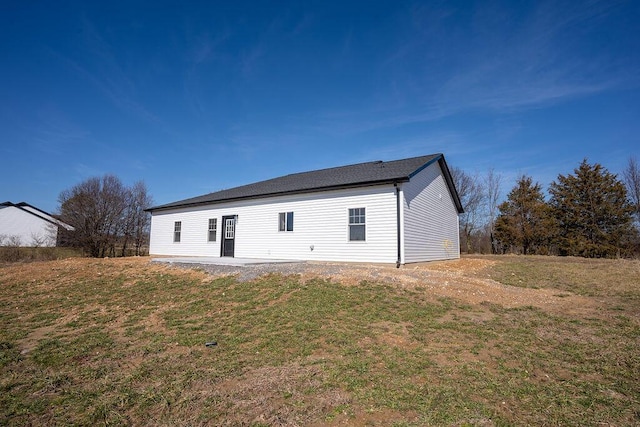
589,213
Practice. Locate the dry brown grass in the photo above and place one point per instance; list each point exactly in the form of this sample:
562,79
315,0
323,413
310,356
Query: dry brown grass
468,280
479,341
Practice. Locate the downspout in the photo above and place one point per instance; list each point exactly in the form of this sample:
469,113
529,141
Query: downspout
395,184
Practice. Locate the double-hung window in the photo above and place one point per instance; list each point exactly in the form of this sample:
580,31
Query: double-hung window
357,224
177,230
285,221
213,229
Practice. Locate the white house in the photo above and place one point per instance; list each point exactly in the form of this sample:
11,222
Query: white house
401,211
24,225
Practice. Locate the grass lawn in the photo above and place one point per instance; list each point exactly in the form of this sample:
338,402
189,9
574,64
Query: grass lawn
122,342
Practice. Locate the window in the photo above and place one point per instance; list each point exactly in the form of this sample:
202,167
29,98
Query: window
229,228
356,224
177,228
213,228
285,221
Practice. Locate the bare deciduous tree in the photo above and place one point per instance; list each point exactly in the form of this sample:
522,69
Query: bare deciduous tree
137,220
632,181
39,240
471,192
104,213
10,240
492,184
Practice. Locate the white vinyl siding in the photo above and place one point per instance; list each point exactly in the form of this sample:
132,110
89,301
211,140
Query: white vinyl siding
26,229
429,225
321,227
430,218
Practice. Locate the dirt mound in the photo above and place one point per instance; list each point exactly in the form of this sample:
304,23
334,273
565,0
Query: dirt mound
462,279
465,279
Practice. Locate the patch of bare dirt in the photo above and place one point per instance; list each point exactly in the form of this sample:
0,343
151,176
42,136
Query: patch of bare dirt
465,279
292,395
71,269
462,279
359,417
390,334
30,342
289,395
45,278
457,279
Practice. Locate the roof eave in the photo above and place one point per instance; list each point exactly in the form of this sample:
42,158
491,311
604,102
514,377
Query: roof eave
56,221
450,183
280,193
426,165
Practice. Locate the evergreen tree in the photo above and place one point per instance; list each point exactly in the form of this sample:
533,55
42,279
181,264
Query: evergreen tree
592,212
523,223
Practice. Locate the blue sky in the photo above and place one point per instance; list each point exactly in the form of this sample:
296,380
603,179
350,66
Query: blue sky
194,97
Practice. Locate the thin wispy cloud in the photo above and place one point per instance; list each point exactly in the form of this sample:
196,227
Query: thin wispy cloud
55,133
279,31
250,60
236,93
302,25
202,52
47,130
102,69
417,146
542,62
84,171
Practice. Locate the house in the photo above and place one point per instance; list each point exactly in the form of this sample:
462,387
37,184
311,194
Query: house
24,225
401,211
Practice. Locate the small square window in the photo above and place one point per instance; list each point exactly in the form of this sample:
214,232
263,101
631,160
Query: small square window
285,221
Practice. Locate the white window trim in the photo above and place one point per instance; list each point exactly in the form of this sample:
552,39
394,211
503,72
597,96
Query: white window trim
366,209
286,222
209,230
177,231
230,229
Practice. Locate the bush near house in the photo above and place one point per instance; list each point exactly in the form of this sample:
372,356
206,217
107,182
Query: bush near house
10,254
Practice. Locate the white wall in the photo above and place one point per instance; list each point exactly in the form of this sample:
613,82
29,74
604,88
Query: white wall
320,220
28,228
430,218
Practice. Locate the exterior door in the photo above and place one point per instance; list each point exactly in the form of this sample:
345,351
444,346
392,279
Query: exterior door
228,235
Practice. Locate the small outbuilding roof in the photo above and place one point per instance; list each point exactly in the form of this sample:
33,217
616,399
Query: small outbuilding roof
351,176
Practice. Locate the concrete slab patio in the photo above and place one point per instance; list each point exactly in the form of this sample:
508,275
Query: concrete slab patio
236,262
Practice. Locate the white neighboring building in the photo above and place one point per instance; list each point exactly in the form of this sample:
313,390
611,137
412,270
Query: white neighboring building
401,211
25,225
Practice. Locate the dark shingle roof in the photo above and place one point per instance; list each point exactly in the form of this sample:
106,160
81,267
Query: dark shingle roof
358,175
